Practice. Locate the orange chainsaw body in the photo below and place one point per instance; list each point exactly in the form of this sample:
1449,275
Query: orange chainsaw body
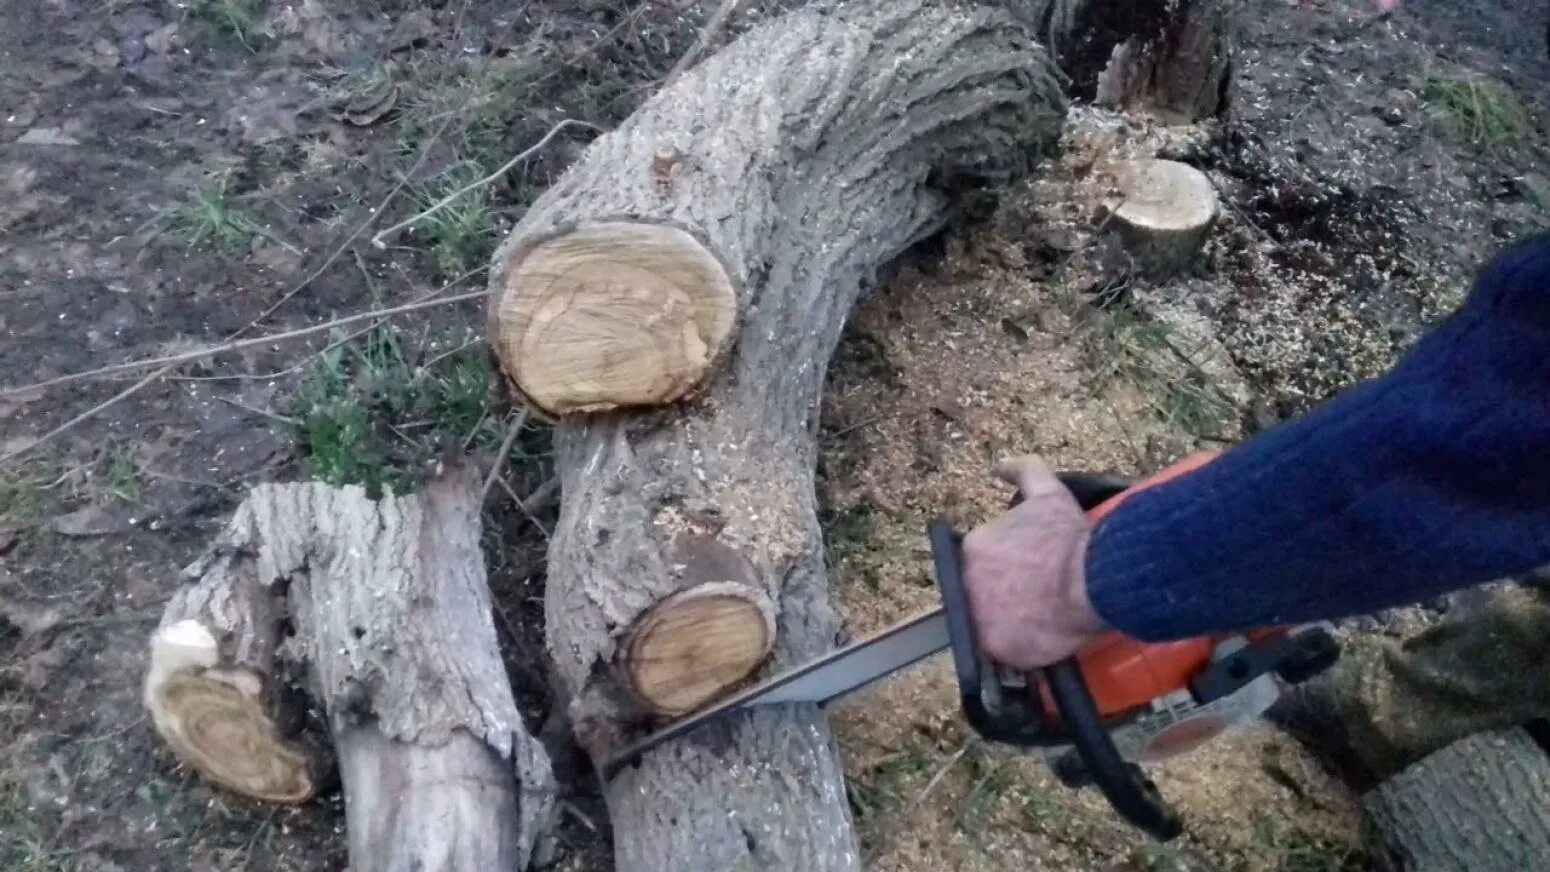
1124,674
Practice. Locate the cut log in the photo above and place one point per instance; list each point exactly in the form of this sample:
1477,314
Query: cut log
687,560
218,714
1162,211
1171,58
596,330
690,647
1482,803
393,632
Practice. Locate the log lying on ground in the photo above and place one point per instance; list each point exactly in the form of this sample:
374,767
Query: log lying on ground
1482,803
1162,212
705,255
1172,58
392,630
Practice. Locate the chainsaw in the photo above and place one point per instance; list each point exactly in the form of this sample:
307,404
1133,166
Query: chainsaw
1095,717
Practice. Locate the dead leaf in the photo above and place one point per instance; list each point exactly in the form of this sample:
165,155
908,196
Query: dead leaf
37,670
370,107
92,521
47,136
412,28
163,39
10,403
283,261
265,117
103,55
31,618
16,445
321,33
948,409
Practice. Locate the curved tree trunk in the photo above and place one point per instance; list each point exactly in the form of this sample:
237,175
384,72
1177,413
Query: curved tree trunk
393,631
1172,58
705,255
1482,804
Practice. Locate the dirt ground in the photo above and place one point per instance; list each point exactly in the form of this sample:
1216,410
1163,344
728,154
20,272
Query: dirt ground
179,173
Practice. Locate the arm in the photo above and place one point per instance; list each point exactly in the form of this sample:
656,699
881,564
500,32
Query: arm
1432,478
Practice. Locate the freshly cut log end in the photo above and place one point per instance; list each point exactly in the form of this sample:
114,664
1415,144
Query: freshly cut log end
214,721
696,645
1163,211
612,315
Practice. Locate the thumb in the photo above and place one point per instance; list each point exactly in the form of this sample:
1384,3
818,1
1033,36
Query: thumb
1030,475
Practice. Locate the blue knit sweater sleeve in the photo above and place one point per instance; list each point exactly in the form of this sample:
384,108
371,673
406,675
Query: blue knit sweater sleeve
1431,478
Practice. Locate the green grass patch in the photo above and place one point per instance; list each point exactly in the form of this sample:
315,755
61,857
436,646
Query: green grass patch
212,218
847,540
24,494
461,234
883,789
1291,849
1044,811
1154,357
1482,110
991,783
230,19
477,110
121,472
374,413
23,845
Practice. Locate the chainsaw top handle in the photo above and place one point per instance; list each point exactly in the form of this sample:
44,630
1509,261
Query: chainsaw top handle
1002,706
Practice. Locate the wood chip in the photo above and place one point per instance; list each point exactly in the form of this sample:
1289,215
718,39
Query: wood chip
92,521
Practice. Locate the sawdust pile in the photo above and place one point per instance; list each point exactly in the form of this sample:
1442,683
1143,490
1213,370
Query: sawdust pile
1040,345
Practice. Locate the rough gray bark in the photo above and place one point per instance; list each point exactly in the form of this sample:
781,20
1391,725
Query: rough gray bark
806,156
1172,58
1482,804
393,628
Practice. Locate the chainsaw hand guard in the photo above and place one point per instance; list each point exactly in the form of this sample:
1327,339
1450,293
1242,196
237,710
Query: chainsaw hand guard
1001,706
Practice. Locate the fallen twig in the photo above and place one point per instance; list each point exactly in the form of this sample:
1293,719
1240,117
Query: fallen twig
172,360
124,394
500,458
541,496
355,234
348,337
522,504
490,179
941,773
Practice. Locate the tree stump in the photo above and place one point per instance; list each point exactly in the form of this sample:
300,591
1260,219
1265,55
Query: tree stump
1171,58
1162,212
1482,804
673,301
382,606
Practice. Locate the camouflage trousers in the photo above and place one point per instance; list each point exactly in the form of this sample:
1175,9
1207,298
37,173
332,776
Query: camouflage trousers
1485,666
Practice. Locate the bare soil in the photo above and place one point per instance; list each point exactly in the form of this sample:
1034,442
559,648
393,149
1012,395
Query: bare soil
176,173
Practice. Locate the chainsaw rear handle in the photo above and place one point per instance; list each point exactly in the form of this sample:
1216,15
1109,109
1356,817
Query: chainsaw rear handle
1134,796
1127,788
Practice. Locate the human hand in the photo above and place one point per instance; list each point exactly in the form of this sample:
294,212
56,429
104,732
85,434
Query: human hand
1025,573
